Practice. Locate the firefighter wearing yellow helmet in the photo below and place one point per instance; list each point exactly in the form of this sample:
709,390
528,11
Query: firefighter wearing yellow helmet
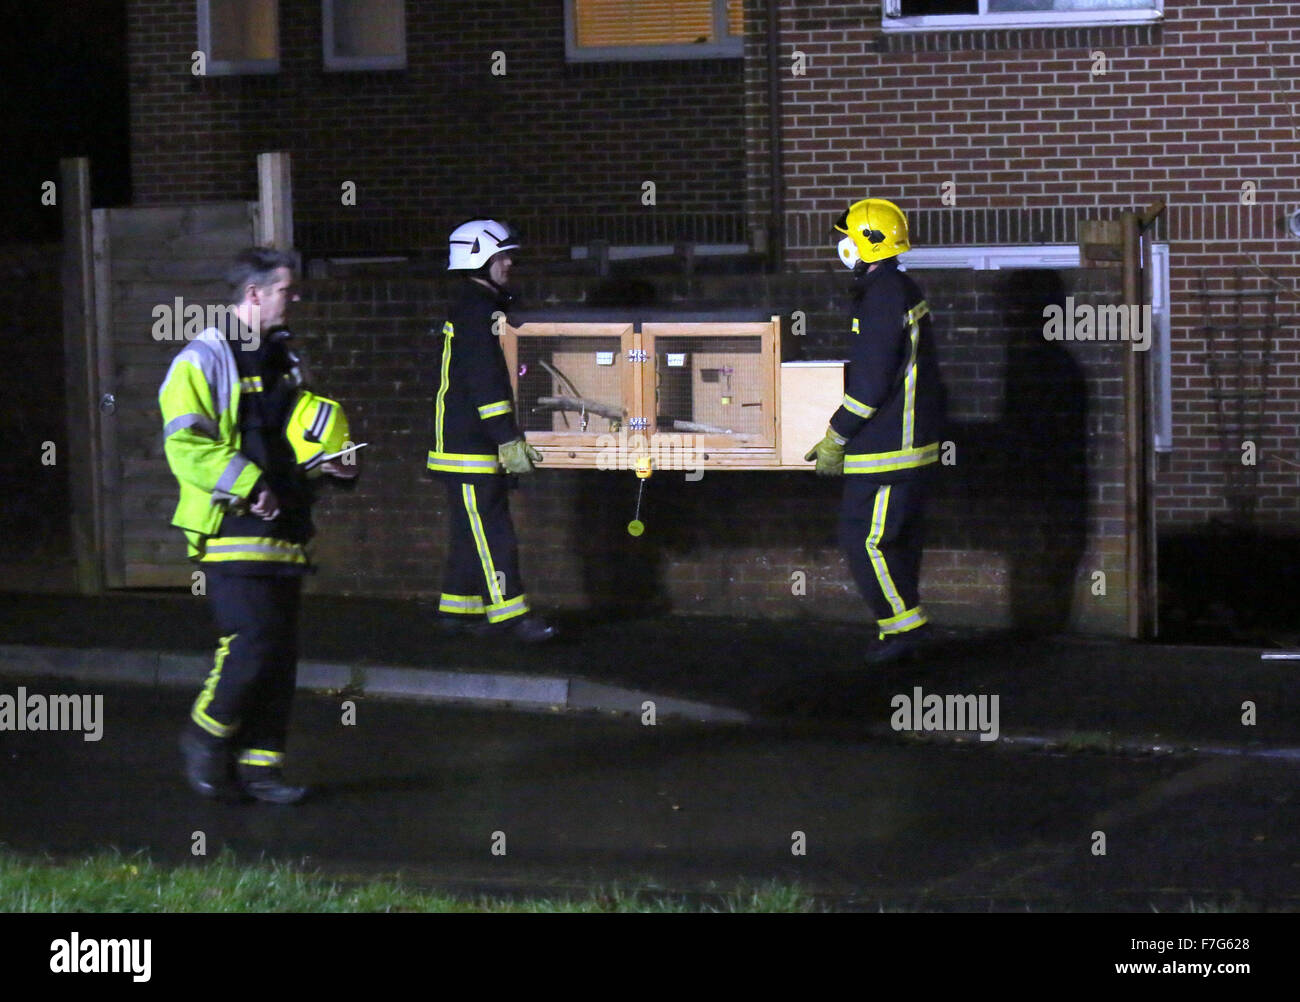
884,438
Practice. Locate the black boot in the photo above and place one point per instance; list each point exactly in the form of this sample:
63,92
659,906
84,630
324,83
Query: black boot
460,626
266,783
899,646
531,629
209,767
526,629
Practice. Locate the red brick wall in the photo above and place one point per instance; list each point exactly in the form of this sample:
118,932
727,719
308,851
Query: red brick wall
1187,111
1029,511
442,140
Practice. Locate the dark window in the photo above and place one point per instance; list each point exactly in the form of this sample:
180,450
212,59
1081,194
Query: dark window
923,8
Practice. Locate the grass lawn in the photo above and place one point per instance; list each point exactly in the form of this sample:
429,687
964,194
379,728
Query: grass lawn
112,882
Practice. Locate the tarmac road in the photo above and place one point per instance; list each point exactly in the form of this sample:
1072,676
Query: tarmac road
588,799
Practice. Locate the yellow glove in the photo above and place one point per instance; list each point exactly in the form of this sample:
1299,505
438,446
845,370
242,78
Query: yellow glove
518,456
829,453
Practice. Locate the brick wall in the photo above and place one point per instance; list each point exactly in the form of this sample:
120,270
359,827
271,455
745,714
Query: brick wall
1030,509
551,145
1187,111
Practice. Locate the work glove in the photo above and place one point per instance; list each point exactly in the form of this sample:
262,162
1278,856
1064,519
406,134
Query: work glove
518,456
829,453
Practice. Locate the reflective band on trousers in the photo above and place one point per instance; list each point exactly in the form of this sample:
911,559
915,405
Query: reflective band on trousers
508,609
458,462
901,623
472,604
470,498
261,756
199,712
883,462
879,513
264,548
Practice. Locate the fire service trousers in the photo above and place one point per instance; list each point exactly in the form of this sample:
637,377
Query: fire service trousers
880,533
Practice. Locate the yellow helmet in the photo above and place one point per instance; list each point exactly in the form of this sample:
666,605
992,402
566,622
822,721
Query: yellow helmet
874,229
317,428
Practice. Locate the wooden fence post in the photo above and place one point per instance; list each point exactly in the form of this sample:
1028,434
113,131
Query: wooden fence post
275,193
81,372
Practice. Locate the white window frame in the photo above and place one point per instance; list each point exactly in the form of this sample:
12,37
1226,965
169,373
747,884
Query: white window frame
340,64
893,22
729,47
231,67
992,258
1067,256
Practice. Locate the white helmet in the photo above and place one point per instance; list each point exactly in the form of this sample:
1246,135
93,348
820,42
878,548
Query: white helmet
474,243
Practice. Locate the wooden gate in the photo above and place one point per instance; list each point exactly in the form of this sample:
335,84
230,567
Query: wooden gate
149,265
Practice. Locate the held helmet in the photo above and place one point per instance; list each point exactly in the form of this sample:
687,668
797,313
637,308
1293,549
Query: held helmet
873,229
317,428
473,244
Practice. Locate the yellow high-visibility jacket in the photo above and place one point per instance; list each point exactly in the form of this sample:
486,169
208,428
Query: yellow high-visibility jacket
199,400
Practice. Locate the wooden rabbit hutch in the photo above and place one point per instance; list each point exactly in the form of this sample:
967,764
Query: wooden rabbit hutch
599,389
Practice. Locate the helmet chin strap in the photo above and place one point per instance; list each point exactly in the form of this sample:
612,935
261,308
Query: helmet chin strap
500,290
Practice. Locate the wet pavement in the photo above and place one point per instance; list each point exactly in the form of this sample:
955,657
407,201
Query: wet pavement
1184,758
1090,692
601,799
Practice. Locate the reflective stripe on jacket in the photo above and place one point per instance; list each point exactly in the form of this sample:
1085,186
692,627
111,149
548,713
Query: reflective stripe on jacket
199,399
892,413
473,408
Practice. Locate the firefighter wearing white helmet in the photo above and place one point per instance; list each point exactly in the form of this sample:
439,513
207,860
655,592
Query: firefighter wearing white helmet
884,438
477,442
472,245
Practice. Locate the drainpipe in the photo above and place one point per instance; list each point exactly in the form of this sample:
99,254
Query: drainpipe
776,166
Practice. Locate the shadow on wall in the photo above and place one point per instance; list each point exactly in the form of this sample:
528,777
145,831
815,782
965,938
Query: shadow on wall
1019,487
1046,421
729,542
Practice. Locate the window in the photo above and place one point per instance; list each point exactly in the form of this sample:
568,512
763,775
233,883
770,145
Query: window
239,36
364,34
652,29
952,15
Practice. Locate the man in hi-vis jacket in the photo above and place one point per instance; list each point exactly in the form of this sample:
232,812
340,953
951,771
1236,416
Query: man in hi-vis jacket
245,441
884,438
